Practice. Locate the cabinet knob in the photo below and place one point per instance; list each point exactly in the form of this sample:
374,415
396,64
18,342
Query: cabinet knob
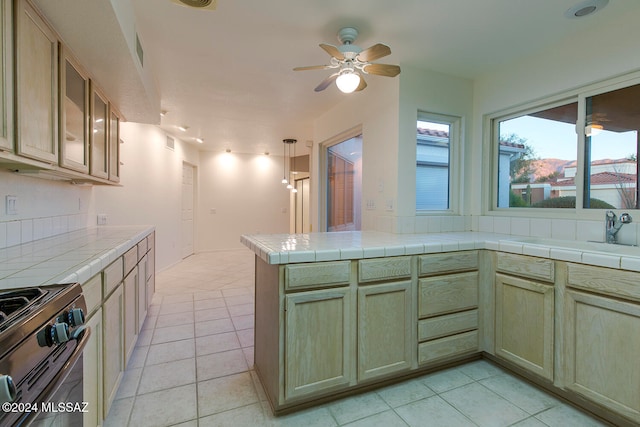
7,389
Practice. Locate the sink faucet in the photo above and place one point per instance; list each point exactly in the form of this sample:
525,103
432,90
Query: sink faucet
613,224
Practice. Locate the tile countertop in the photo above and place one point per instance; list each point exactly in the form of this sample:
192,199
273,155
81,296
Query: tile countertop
313,247
71,257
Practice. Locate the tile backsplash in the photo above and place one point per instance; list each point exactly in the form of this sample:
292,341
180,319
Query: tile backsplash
21,231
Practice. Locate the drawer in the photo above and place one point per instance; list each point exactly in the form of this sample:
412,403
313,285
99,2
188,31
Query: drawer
112,276
130,259
446,347
452,262
142,248
441,326
371,270
92,291
617,283
447,294
526,266
319,274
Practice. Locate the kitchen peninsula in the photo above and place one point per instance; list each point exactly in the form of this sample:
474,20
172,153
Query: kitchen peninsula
338,313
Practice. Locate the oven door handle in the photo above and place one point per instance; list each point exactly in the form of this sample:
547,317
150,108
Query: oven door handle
81,335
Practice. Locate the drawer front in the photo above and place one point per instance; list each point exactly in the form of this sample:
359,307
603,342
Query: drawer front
301,276
130,259
448,346
526,266
372,270
452,262
442,326
112,276
447,294
92,291
617,283
142,248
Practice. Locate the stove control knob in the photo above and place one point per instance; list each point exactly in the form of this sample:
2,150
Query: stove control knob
59,333
7,389
75,317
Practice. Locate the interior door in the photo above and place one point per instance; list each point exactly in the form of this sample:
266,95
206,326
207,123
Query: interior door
188,178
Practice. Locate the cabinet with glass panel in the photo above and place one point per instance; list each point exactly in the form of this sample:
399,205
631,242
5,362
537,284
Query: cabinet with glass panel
74,114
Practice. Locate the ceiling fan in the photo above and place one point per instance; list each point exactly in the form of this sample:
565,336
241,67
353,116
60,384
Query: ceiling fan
351,63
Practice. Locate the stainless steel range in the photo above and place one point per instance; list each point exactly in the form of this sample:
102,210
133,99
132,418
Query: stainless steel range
41,339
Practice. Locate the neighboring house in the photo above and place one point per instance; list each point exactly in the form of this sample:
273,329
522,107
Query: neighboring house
612,181
432,170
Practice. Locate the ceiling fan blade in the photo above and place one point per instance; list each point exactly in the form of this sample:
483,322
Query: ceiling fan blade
374,52
333,51
382,69
362,84
312,67
326,82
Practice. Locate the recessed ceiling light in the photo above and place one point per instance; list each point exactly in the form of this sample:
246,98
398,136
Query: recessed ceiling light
163,113
266,153
585,8
200,140
228,150
183,128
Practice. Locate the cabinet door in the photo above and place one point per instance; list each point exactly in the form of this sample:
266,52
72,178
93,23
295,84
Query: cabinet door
385,338
130,312
113,349
36,86
114,145
92,371
142,291
319,342
99,160
6,76
524,323
74,114
602,349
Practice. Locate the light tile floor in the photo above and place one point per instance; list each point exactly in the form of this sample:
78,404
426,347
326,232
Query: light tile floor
192,367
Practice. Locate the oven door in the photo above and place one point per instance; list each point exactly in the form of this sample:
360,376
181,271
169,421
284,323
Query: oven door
61,404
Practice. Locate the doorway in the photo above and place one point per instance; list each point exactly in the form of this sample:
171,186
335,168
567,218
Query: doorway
303,224
187,218
344,185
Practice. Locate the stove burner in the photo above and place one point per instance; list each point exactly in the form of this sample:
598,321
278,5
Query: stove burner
14,303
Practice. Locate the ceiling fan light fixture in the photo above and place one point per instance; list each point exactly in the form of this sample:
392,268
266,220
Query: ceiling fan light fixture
348,81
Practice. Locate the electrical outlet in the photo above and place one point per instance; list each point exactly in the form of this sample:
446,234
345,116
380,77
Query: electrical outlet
389,205
102,219
11,204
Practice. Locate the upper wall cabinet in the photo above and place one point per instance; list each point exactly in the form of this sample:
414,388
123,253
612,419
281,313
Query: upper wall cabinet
114,144
6,95
99,135
36,86
74,114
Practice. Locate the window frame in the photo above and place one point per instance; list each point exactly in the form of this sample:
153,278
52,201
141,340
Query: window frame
455,124
491,150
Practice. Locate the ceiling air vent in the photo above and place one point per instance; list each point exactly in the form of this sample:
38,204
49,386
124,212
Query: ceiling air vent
198,4
171,143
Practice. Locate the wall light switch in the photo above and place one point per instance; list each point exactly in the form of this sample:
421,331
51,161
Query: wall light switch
213,211
11,203
371,204
102,219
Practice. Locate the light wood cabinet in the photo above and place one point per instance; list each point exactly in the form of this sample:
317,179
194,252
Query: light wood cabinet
74,114
36,86
113,314
319,344
142,292
385,339
447,306
92,371
6,77
602,348
524,320
99,160
130,312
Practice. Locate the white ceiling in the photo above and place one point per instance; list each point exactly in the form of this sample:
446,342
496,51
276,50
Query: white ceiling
227,74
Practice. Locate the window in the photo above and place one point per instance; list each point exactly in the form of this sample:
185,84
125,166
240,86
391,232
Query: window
537,158
580,154
435,137
611,149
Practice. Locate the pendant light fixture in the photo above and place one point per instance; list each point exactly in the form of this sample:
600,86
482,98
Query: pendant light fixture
288,142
